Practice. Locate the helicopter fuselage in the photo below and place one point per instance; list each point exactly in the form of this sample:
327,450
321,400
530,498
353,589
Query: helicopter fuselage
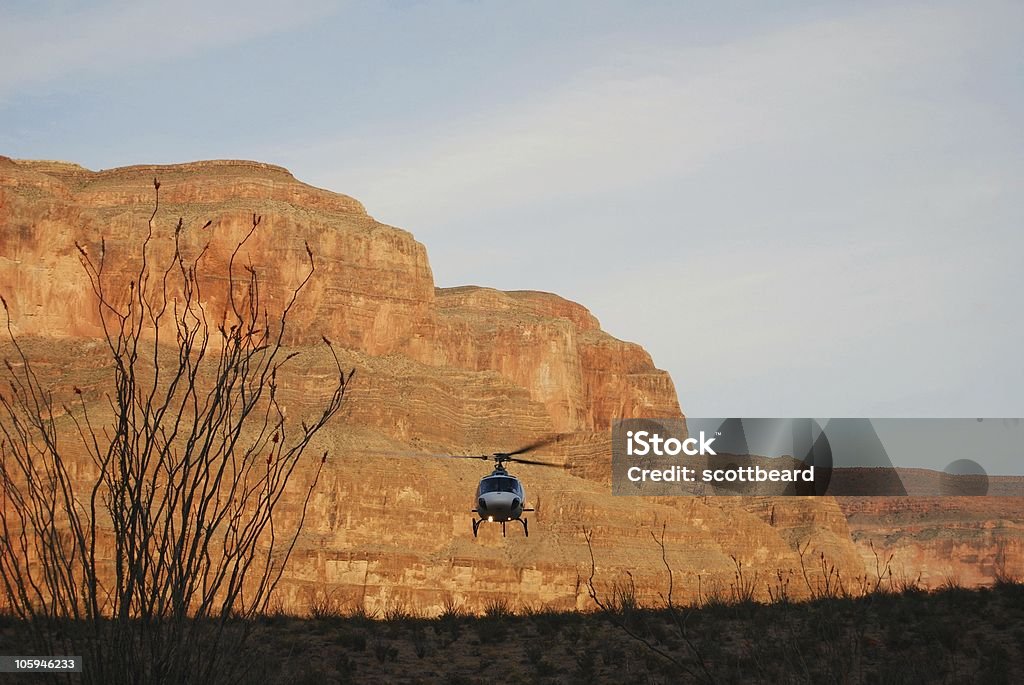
500,498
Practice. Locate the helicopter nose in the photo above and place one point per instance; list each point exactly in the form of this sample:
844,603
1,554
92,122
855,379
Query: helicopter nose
498,503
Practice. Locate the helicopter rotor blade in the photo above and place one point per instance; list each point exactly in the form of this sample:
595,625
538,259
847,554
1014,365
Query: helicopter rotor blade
502,456
536,463
532,446
428,455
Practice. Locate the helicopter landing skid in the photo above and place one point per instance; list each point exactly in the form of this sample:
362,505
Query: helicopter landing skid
477,522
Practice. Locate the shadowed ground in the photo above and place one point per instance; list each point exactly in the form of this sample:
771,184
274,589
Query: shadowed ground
949,635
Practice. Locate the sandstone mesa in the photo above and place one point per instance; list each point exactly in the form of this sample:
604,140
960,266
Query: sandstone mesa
456,370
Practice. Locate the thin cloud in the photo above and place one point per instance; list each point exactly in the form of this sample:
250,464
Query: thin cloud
113,36
872,127
669,112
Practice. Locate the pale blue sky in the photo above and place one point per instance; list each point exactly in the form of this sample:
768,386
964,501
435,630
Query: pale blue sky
800,209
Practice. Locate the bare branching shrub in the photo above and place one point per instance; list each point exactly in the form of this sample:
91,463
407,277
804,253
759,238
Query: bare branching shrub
778,589
275,611
883,570
622,598
827,580
743,589
1001,571
711,593
149,546
623,619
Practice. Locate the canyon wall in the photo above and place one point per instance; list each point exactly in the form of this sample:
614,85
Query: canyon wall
465,370
941,541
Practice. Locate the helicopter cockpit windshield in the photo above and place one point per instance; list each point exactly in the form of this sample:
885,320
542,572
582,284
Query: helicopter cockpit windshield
499,484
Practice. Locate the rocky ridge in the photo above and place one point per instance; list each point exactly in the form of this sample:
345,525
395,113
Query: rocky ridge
453,370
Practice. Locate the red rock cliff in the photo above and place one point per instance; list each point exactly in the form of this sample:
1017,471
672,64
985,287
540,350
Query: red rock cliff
461,370
373,292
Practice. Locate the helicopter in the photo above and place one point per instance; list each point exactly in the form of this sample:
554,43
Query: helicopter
500,497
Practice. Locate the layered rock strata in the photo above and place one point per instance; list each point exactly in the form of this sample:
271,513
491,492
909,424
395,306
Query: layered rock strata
464,370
